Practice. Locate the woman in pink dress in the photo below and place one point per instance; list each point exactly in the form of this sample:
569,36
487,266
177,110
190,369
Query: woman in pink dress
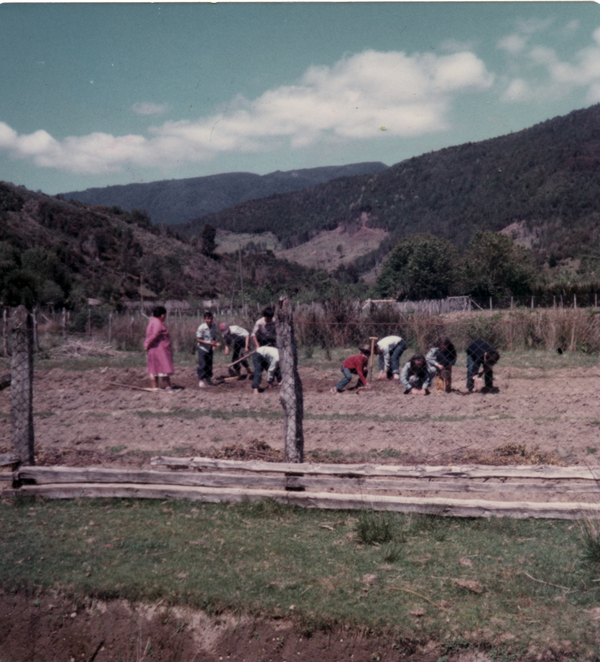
158,348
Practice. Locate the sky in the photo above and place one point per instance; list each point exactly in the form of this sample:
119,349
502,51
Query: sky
94,95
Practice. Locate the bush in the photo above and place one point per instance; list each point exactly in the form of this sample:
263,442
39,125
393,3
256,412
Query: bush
81,321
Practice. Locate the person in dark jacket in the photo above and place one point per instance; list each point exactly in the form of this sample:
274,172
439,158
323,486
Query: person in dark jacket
480,354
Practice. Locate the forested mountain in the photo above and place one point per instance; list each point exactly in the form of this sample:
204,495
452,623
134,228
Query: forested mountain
544,181
54,252
181,200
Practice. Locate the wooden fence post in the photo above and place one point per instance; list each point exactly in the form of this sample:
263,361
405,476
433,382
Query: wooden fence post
5,332
21,386
291,386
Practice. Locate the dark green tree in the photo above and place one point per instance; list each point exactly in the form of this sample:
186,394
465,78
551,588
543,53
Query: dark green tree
494,265
209,244
420,267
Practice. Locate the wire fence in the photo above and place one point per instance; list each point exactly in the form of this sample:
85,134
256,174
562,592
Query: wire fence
341,324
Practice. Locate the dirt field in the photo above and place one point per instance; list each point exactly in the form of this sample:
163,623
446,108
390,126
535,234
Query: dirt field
81,418
548,416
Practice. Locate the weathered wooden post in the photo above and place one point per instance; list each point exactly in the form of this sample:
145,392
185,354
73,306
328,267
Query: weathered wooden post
5,332
36,343
291,386
21,406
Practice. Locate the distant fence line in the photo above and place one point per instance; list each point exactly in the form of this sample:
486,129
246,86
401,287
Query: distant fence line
342,325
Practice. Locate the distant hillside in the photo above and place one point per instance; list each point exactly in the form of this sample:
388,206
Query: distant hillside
181,200
544,180
62,253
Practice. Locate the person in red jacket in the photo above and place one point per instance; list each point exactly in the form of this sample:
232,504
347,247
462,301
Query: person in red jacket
355,365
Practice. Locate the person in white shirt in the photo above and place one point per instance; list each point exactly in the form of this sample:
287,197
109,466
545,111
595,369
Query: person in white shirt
206,338
391,349
264,332
265,358
234,339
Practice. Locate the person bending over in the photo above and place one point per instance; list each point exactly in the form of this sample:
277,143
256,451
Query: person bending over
416,376
480,354
355,365
441,357
234,339
391,349
265,358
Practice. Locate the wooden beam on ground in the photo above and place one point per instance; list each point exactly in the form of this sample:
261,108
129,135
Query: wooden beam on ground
540,471
58,474
436,506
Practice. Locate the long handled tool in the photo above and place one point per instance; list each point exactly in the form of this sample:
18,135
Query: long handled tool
241,359
135,388
372,339
227,378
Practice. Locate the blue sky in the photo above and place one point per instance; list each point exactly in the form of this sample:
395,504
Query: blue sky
102,94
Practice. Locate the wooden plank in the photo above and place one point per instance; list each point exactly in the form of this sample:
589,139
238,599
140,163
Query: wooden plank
7,459
59,474
468,471
441,507
65,475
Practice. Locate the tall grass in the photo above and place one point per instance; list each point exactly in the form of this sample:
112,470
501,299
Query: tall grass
342,323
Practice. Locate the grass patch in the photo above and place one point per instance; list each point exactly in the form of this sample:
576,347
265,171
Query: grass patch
436,578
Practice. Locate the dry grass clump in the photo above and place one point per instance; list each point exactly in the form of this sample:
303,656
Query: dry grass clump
511,454
258,450
81,349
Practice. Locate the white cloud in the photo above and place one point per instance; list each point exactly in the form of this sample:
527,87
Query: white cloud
353,99
148,108
512,43
517,90
543,75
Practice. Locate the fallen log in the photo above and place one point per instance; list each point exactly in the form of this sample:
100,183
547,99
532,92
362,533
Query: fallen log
58,474
432,506
541,471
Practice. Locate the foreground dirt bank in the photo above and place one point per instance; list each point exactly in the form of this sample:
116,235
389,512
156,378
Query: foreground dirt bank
55,628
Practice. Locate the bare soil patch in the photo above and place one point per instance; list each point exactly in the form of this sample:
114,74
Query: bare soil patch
535,417
50,627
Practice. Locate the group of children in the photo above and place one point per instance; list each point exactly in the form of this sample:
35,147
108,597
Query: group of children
265,356
236,339
418,373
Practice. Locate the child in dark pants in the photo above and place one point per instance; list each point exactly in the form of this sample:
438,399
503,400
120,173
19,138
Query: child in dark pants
481,354
234,338
265,358
206,337
354,365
